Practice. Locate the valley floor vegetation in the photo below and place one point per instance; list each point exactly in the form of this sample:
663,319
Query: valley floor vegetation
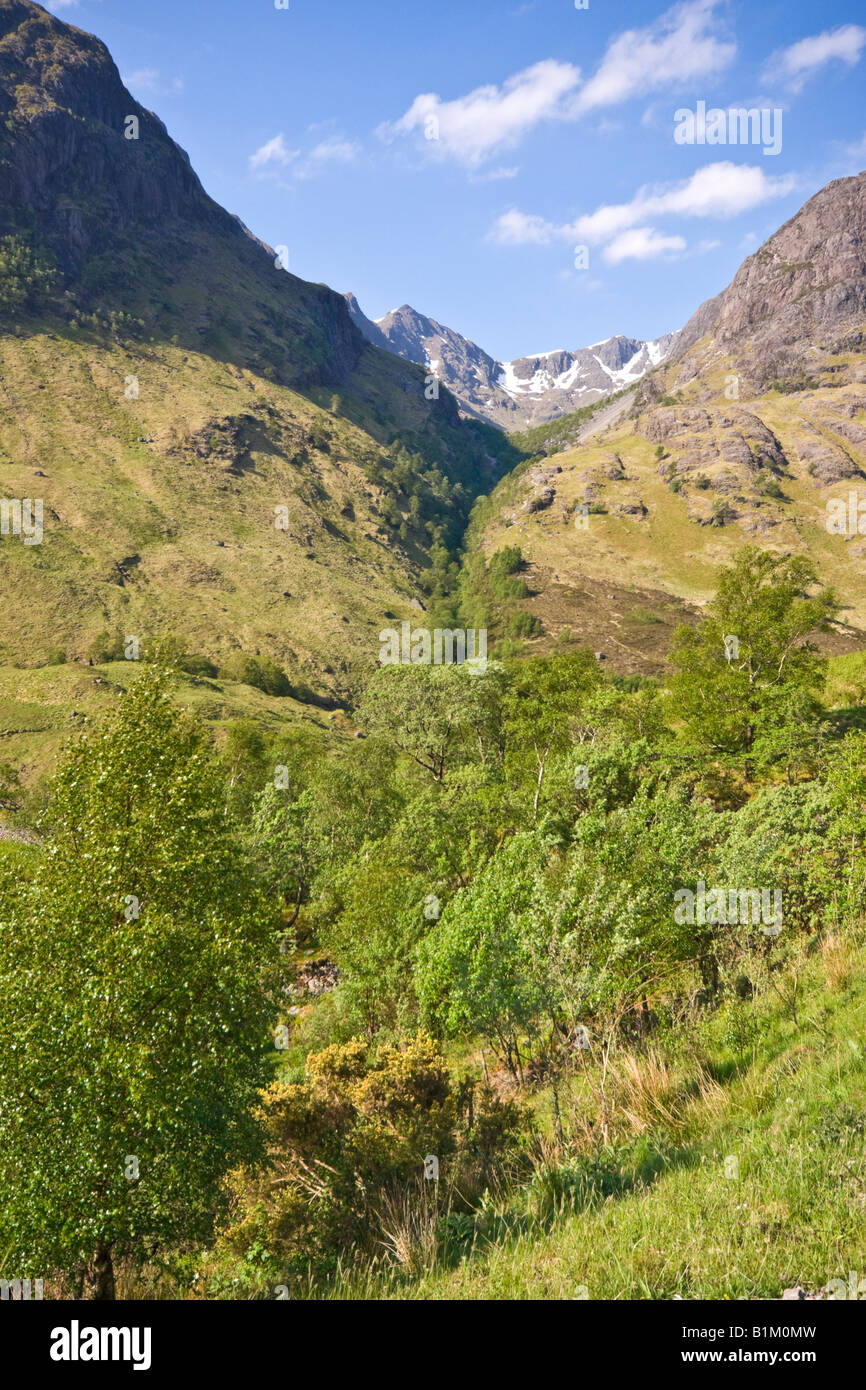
416,1016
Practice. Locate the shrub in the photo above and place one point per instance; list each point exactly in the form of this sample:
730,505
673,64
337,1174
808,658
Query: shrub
790,385
258,671
10,787
768,487
26,276
504,565
347,1149
195,665
508,560
107,646
723,512
524,625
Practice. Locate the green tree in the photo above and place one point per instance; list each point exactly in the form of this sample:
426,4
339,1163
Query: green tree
135,1005
479,969
786,838
545,700
431,712
27,276
356,799
284,848
246,763
747,672
373,939
449,828
614,932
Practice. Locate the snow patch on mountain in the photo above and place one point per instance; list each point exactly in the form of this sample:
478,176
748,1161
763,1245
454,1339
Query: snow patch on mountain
527,390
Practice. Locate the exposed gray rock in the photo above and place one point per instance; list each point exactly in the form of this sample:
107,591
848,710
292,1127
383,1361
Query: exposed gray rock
526,391
806,286
319,977
540,500
826,462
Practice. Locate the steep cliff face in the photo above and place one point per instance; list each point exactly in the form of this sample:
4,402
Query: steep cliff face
63,146
371,331
94,182
798,296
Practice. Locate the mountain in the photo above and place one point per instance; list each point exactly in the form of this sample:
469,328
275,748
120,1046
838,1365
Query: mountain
123,219
806,283
218,451
221,453
751,429
513,395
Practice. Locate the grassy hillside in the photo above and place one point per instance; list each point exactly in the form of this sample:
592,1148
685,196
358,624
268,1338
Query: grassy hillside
162,512
217,450
734,1169
631,527
42,709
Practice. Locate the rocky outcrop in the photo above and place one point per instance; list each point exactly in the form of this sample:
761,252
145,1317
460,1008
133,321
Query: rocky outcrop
802,293
825,461
697,437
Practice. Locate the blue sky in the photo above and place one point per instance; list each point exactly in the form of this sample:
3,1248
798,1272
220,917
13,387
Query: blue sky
455,154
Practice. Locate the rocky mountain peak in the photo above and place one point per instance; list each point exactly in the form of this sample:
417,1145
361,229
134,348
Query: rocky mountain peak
94,187
805,285
525,391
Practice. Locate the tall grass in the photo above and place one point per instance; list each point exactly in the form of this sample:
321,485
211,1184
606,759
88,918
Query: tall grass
726,1175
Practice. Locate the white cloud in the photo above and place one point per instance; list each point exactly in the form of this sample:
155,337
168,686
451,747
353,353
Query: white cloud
641,244
276,155
679,46
150,80
515,228
717,190
334,150
145,79
490,118
801,60
494,175
273,152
